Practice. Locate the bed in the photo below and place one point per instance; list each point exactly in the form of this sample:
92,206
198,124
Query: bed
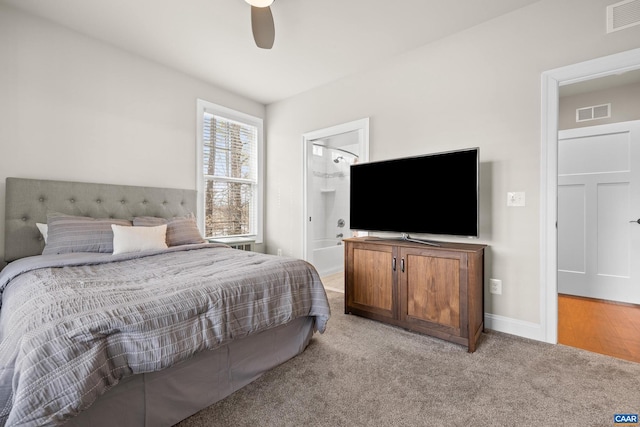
136,334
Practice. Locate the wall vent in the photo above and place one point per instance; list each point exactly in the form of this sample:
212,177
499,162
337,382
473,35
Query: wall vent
243,246
623,15
593,113
242,243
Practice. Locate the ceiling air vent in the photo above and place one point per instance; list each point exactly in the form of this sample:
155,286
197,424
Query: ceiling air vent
593,113
623,15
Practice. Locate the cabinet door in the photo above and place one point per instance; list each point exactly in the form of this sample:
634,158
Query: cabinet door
430,290
370,279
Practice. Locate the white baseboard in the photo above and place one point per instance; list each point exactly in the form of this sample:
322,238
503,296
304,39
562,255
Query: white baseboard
511,326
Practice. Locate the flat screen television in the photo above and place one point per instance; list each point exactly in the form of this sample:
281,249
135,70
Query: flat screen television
428,194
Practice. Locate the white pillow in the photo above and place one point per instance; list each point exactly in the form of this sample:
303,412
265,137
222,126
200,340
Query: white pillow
44,229
138,239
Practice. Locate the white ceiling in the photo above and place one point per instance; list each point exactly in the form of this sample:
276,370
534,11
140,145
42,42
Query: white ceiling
317,41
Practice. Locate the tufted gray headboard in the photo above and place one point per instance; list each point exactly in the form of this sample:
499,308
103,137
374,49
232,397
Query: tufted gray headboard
27,201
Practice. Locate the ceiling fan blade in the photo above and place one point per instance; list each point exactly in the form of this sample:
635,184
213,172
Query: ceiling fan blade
264,32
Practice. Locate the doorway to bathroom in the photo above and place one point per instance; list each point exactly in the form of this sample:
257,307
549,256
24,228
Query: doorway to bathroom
328,156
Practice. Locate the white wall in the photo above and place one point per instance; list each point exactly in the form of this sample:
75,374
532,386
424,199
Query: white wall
481,87
74,108
330,183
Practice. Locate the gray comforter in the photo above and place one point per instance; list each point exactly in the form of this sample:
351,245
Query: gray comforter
72,326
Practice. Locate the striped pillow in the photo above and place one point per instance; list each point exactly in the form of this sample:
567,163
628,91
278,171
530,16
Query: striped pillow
180,230
68,234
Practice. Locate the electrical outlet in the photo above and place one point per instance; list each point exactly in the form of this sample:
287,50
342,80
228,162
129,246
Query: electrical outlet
279,252
495,286
515,198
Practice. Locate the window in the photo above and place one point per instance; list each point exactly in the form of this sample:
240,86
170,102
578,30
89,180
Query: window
229,154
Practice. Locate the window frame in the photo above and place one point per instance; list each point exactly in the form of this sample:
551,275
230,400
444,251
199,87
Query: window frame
238,116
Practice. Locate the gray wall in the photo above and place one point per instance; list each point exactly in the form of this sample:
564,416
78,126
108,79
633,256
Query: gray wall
480,87
74,108
624,100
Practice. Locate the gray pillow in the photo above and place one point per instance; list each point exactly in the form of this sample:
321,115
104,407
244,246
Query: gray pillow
68,234
180,230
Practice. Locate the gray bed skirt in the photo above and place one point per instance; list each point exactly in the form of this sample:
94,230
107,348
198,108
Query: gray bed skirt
166,397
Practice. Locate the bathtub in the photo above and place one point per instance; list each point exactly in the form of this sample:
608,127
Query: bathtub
328,256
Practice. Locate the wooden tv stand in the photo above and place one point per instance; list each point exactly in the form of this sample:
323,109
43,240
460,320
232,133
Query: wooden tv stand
435,290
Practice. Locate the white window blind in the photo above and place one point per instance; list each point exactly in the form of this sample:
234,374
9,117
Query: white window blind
230,175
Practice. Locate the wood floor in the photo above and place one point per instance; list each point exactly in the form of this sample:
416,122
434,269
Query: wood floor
334,282
600,326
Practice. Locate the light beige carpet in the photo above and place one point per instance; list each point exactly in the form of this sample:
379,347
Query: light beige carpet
364,373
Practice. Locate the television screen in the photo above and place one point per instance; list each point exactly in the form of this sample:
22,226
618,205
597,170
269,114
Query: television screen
431,194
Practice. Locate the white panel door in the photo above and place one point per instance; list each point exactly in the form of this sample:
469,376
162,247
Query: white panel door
598,210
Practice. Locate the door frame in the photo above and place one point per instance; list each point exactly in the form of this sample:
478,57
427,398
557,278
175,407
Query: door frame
551,81
362,126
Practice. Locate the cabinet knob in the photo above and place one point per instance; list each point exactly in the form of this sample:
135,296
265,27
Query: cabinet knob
393,264
402,264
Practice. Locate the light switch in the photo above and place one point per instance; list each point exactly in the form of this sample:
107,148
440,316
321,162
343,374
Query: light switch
515,198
